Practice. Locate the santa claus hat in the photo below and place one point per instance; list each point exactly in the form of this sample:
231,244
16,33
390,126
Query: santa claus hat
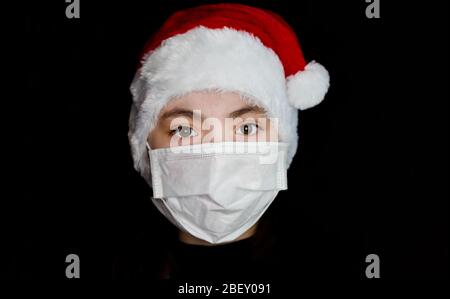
224,47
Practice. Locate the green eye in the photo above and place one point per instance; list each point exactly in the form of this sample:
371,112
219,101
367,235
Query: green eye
184,131
247,129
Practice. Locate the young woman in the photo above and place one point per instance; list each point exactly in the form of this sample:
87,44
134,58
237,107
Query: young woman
213,130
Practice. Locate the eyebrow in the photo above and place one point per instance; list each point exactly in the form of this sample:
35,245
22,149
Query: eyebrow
178,112
248,109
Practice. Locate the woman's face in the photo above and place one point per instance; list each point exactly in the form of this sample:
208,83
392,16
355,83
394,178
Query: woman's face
203,117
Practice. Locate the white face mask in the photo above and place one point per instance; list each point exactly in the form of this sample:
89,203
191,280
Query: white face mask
217,191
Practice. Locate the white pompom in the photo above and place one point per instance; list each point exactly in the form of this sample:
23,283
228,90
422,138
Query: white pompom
307,88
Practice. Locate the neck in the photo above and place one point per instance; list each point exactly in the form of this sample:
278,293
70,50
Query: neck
190,239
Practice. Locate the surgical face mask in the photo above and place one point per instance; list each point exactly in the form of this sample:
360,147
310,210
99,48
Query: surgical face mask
217,191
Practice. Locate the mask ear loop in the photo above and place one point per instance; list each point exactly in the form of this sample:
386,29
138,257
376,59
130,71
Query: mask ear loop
282,170
156,181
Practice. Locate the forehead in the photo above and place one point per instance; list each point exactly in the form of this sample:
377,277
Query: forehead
210,103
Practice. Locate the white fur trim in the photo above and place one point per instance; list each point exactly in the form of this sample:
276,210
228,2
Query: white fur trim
307,88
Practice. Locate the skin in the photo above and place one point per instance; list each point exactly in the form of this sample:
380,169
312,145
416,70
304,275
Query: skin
176,126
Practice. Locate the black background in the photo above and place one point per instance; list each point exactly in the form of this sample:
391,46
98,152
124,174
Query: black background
372,164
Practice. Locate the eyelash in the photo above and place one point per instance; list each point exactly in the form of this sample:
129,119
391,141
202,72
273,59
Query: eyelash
175,131
257,127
